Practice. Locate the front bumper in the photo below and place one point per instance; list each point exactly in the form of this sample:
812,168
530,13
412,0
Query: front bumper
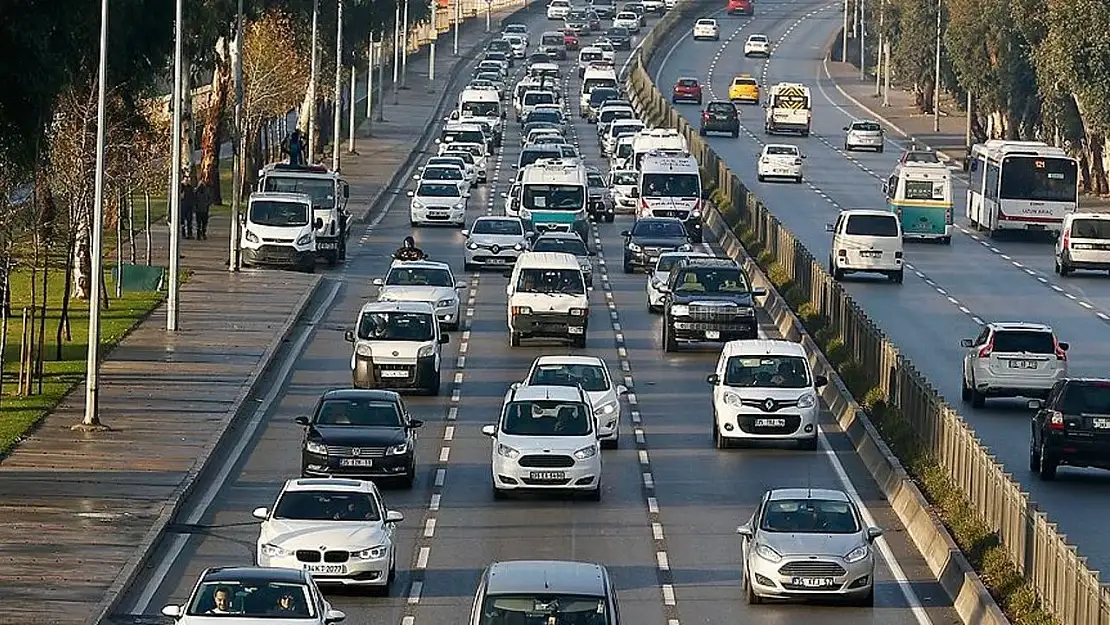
509,475
418,374
802,577
278,256
431,215
690,331
554,325
316,465
787,424
353,571
487,258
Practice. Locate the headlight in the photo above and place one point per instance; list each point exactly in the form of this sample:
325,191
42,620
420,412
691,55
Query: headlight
273,551
472,246
417,203
857,554
586,452
506,451
397,450
252,237
632,247
444,303
680,310
364,350
373,553
305,239
807,401
315,447
425,351
459,206
686,247
767,553
732,399
609,408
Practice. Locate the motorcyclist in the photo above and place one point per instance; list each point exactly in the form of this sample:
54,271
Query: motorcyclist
409,251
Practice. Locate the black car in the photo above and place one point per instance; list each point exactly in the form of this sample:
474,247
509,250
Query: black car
720,116
604,9
545,116
501,45
361,433
708,299
599,96
1071,426
540,57
619,37
650,237
593,20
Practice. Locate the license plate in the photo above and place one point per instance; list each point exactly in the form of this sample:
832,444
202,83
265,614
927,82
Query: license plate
1100,424
547,475
1023,364
781,171
712,335
395,374
871,253
770,423
1035,227
320,245
575,330
812,582
437,214
326,569
356,462
496,261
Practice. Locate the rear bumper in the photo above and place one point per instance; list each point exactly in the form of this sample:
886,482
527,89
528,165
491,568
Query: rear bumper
1078,453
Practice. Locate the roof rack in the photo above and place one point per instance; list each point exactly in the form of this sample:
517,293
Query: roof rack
316,169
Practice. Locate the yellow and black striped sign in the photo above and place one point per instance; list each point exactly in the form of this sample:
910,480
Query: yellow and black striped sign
794,98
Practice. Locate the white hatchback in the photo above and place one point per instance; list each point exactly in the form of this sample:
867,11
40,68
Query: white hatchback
706,28
623,184
494,242
592,374
627,19
757,45
1084,243
1012,360
780,160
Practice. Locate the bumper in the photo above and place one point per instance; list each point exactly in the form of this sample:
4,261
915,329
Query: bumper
278,256
719,126
448,315
741,12
865,144
554,325
685,97
706,34
326,246
774,579
353,572
509,475
787,126
798,424
313,465
1086,259
744,98
454,216
1078,453
882,266
698,332
486,258
756,52
1000,386
419,374
625,204
779,171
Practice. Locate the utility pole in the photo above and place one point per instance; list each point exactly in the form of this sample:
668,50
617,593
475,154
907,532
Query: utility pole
970,112
351,107
237,144
886,72
312,80
381,77
338,97
405,47
455,28
91,420
936,78
175,198
370,78
489,8
879,66
432,47
844,35
862,42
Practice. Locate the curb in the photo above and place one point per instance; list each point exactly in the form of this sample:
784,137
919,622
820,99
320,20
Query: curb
143,551
970,598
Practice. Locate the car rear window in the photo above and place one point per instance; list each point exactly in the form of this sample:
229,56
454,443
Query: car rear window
1091,228
721,107
872,226
1028,341
744,81
688,82
1088,398
866,127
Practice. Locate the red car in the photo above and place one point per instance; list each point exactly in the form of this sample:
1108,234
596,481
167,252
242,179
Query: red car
740,7
686,90
570,40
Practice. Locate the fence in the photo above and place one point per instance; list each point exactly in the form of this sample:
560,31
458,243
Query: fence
1067,587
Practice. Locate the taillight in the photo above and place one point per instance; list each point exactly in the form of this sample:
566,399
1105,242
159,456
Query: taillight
705,116
1055,420
985,351
798,162
947,217
1060,353
1067,238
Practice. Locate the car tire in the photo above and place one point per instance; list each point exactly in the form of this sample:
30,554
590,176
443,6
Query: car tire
433,387
499,494
760,177
611,444
595,494
719,442
669,342
897,276
469,266
749,593
965,390
579,341
1034,454
847,148
1046,468
736,133
702,131
798,180
978,399
880,150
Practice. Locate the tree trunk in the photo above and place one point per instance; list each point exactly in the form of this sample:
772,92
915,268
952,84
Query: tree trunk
212,137
187,139
7,268
1096,145
129,200
82,261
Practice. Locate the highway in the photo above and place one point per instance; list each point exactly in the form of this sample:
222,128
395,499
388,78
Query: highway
950,290
665,527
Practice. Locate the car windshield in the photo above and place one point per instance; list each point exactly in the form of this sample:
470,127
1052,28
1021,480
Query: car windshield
809,516
590,55
1085,398
590,377
480,109
706,280
463,154
547,609
510,227
545,417
252,599
358,412
595,179
324,505
617,31
441,173
621,130
447,160
766,372
624,178
567,245
1090,229
438,190
552,40
278,214
553,281
418,276
866,127
720,107
659,229
396,326
782,150
322,191
553,197
538,97
671,185
872,226
612,114
1031,342
602,94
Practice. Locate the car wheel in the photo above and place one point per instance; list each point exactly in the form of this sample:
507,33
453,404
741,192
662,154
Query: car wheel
499,494
847,148
978,399
749,593
760,177
719,441
1065,270
798,180
669,342
1047,465
965,390
469,266
736,133
514,339
433,387
702,132
611,444
880,150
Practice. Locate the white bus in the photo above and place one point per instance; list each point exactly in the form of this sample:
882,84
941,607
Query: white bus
1021,185
670,186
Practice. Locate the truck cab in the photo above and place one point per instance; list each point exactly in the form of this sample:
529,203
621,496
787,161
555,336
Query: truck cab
279,230
329,194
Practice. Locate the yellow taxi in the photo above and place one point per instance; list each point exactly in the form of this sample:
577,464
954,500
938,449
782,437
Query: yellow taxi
744,88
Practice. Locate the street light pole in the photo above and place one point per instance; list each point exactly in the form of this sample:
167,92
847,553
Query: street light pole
312,80
936,78
91,420
455,29
237,144
844,36
338,97
489,4
381,77
432,47
370,77
862,42
351,106
879,51
175,201
967,128
405,47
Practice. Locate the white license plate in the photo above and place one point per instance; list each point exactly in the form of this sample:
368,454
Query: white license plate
575,329
547,475
770,423
812,582
1100,424
395,374
496,261
871,254
782,171
356,462
437,214
326,569
1023,364
712,335
326,246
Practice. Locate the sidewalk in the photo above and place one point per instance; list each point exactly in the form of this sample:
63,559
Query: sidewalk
80,509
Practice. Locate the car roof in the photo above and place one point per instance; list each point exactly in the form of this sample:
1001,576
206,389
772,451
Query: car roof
1023,326
329,484
568,360
498,218
869,212
540,392
1086,215
372,394
547,260
531,576
397,306
762,347
419,264
780,145
809,493
754,35
254,574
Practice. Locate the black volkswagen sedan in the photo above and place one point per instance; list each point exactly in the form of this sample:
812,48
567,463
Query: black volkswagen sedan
361,433
650,237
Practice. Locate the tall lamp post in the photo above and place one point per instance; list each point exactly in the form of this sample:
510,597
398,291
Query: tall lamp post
175,191
237,144
338,97
844,36
936,77
432,47
405,47
312,80
455,29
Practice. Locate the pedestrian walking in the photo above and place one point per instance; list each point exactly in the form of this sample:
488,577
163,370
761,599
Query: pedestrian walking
202,202
188,206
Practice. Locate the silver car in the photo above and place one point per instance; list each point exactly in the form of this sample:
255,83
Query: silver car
808,543
863,134
545,591
494,242
567,243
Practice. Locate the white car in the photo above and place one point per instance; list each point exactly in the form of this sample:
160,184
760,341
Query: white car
455,161
866,241
1012,360
617,130
592,374
706,28
444,173
780,160
627,19
494,242
545,440
660,274
621,185
757,45
670,4
558,9
1084,243
512,200
519,30
423,281
248,595
518,44
437,203
764,389
608,52
864,134
339,530
567,243
477,152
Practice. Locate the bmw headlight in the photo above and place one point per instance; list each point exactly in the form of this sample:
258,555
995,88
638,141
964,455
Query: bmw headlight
364,350
426,351
305,239
732,399
444,303
586,452
316,447
632,247
506,451
609,408
252,237
857,554
767,553
807,401
472,246
680,310
274,551
397,450
373,553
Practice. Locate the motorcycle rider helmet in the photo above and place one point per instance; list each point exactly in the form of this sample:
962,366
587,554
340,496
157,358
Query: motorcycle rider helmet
409,243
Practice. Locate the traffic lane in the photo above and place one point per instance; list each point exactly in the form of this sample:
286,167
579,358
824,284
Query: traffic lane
705,493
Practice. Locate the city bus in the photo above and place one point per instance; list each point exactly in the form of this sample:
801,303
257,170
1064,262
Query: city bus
921,195
1020,185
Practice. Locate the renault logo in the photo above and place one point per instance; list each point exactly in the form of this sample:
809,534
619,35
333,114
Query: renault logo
769,405
495,249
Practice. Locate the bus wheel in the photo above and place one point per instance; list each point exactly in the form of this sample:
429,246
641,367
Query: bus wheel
946,240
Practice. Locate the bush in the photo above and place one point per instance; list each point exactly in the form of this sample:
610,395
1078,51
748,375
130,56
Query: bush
836,353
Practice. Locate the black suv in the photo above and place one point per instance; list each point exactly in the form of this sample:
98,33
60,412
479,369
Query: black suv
1071,427
708,299
720,116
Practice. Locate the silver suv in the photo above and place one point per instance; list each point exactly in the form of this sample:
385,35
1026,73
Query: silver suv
1012,360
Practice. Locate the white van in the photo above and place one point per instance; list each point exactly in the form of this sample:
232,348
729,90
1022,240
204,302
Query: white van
279,231
866,241
1084,243
593,78
397,345
547,298
483,105
666,139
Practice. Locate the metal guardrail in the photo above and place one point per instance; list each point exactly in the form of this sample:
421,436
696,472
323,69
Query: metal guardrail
1069,589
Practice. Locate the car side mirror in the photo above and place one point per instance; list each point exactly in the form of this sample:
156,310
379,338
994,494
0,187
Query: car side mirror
713,379
334,616
515,385
346,191
873,533
444,339
625,233
489,430
820,381
394,516
465,233
415,423
512,165
967,342
759,292
1063,346
460,286
302,420
508,289
319,223
416,177
745,531
830,227
410,193
260,513
1035,404
845,129
349,336
172,611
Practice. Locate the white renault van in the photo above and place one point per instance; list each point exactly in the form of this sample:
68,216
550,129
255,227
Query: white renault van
866,241
547,298
397,345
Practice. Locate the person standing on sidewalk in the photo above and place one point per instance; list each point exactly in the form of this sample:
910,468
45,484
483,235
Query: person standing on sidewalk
202,205
188,205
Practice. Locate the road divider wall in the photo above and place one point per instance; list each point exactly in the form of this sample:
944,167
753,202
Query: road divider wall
871,368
